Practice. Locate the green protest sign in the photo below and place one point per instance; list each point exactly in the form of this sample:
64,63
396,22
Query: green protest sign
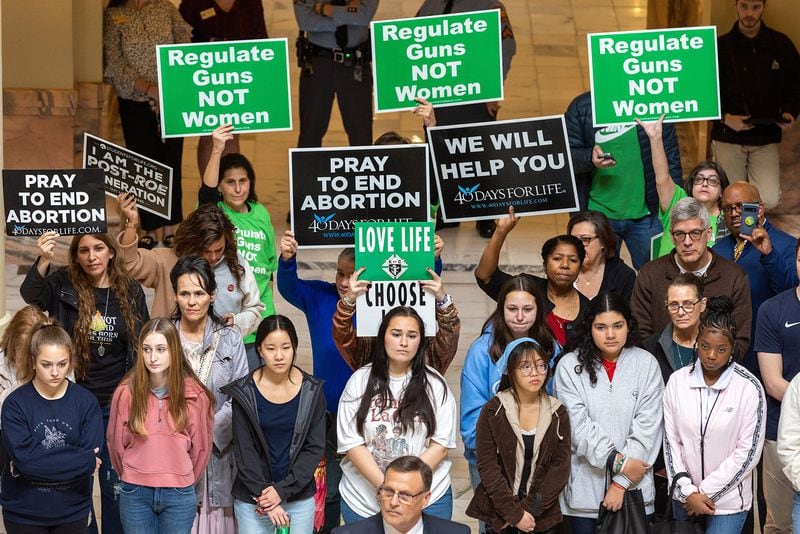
205,85
394,251
646,74
446,59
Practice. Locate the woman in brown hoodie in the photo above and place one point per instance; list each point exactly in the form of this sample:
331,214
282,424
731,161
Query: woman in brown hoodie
520,484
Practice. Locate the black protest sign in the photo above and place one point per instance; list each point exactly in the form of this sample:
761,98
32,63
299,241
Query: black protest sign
333,188
483,168
68,201
128,172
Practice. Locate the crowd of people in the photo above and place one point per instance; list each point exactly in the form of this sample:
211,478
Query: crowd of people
668,387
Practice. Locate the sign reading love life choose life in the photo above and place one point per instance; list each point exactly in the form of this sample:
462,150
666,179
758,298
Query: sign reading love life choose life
646,74
396,256
205,85
483,168
68,201
331,189
126,171
446,59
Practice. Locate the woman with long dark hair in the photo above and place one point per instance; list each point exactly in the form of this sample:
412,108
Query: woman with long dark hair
279,436
215,353
714,423
519,314
52,433
131,31
523,447
612,391
160,435
397,389
103,308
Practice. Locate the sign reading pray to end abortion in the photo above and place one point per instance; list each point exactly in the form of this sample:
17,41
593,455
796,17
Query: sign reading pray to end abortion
205,85
332,189
68,201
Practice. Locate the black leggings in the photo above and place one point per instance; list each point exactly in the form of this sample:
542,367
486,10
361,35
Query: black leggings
76,527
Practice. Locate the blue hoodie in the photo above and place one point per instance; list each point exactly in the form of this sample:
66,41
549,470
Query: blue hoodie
480,380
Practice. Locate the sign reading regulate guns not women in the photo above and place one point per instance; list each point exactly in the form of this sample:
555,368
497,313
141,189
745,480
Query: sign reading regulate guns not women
445,59
205,85
645,74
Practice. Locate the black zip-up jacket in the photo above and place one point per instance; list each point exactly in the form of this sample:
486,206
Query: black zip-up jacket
55,294
759,77
580,132
254,468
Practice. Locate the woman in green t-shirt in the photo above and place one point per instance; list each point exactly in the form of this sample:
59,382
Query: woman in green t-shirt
229,181
706,182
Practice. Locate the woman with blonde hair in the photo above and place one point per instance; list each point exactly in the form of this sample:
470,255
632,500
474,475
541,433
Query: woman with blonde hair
160,435
15,348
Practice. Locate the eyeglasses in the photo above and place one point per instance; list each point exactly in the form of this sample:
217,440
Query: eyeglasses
687,307
727,209
586,239
712,181
527,369
387,494
694,234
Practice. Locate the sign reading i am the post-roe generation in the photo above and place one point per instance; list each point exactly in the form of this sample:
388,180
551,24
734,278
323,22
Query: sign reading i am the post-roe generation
242,83
645,74
333,188
446,59
148,180
483,168
68,201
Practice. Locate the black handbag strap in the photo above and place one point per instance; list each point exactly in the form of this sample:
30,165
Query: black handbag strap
670,514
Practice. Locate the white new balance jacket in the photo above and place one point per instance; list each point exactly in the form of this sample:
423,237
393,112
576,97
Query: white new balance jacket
715,434
789,433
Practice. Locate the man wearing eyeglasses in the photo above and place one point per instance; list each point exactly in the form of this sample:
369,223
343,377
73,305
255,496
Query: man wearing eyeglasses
403,495
689,228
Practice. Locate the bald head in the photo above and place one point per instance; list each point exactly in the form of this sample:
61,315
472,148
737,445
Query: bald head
735,195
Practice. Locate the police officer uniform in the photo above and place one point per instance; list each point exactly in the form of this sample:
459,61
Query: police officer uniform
333,53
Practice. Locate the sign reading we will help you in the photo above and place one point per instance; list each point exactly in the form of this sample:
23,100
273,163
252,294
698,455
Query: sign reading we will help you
396,256
205,85
68,201
645,74
445,59
483,168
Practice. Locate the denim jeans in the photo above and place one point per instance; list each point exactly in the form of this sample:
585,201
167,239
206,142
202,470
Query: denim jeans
301,514
796,512
637,235
442,508
714,524
109,489
474,479
156,510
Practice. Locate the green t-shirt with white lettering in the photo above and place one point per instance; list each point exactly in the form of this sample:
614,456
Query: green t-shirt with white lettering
618,191
255,239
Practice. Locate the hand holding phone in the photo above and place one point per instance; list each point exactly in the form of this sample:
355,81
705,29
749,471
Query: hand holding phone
749,218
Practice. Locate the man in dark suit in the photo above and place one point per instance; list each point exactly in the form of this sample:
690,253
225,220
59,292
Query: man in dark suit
405,491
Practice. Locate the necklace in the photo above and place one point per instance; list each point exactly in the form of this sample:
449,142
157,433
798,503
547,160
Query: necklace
99,324
676,350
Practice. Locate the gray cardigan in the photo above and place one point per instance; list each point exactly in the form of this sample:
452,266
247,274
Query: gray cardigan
229,364
625,415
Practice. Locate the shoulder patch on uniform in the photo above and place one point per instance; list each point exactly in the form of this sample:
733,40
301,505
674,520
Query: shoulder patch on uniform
507,33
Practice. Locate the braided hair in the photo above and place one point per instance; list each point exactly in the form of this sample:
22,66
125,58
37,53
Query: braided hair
718,317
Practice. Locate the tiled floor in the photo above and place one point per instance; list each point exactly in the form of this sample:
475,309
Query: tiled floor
550,69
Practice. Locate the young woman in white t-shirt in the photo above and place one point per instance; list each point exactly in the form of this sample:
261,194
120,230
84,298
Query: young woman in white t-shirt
396,397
